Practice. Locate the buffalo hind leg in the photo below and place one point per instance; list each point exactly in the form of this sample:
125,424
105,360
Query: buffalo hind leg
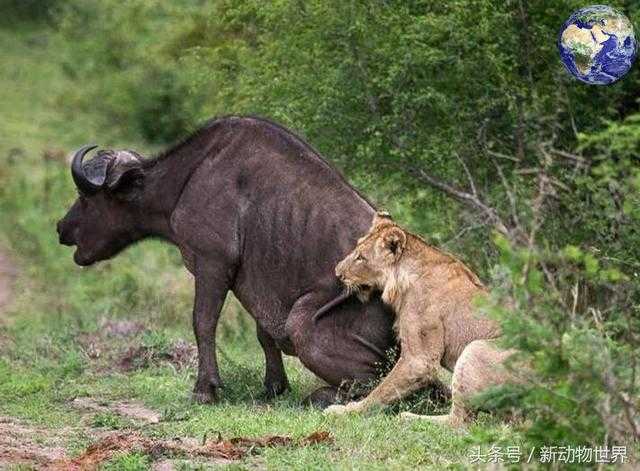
329,395
322,397
329,347
275,378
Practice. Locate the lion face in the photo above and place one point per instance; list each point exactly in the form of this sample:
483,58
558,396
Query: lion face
367,266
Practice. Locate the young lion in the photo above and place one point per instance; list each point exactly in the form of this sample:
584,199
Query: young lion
432,295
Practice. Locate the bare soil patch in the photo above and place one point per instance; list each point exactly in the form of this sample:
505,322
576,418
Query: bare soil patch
180,354
44,448
28,444
218,451
130,409
117,345
121,328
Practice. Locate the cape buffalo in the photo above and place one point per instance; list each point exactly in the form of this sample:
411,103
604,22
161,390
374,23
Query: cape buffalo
254,210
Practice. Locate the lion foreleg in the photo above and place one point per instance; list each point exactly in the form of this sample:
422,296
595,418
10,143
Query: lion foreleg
407,376
422,347
480,366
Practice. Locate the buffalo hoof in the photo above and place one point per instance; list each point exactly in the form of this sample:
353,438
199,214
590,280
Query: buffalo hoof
204,397
206,392
275,388
322,398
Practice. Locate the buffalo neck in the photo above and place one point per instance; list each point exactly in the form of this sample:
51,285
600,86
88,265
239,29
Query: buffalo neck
164,183
167,175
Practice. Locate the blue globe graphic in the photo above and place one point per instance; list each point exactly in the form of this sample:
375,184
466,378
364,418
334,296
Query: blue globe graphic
597,45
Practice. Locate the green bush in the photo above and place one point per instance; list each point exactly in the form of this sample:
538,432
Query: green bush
122,56
32,10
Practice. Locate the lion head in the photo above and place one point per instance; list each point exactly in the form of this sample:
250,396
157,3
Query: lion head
366,267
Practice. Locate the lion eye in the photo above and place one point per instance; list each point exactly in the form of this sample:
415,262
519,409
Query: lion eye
360,258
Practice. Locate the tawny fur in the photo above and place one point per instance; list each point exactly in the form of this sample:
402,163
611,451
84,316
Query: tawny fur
432,295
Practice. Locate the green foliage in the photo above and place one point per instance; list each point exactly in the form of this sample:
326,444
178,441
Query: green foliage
575,331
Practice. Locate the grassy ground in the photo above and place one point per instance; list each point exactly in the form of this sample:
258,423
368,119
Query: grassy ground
121,331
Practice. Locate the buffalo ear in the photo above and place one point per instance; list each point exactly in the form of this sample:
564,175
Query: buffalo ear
394,240
125,171
127,178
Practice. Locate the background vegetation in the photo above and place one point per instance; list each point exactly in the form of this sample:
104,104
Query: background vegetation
456,116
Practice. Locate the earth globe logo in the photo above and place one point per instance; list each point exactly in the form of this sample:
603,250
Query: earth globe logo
597,45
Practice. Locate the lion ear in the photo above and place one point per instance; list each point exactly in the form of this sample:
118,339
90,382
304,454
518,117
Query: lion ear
394,240
381,217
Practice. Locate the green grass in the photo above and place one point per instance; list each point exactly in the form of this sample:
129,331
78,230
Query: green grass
44,358
128,462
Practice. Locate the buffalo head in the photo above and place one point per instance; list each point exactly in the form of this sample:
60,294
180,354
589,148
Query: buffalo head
104,219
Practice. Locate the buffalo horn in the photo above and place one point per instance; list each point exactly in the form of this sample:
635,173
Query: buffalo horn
77,172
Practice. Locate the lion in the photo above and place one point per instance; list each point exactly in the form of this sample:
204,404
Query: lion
432,295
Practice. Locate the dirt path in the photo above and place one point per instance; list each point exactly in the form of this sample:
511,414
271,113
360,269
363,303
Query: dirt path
26,444
41,447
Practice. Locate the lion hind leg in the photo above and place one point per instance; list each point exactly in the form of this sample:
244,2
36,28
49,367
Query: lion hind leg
479,367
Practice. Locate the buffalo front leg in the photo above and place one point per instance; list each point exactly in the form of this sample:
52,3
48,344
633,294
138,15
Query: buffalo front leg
275,378
210,292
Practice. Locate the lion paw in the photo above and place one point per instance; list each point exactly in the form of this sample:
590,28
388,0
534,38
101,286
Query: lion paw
412,416
447,420
335,409
338,409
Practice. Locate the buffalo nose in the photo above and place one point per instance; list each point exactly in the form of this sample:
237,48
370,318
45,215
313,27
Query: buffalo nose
62,236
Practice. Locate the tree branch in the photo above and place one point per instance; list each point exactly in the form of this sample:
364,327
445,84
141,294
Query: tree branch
468,198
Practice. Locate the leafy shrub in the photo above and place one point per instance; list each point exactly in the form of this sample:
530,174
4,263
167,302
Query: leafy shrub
573,310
